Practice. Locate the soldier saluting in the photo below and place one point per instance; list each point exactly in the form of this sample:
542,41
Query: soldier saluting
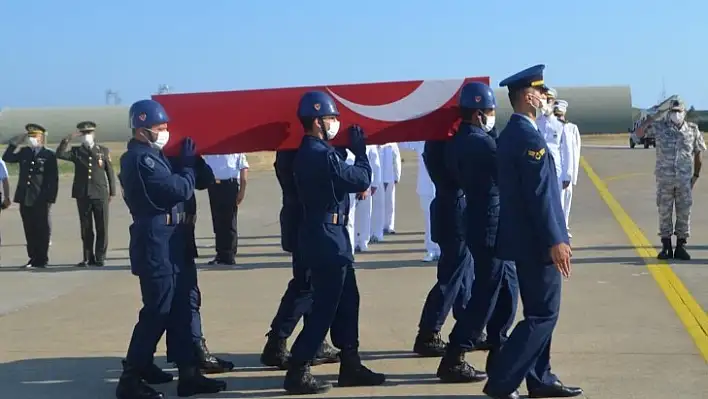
37,188
94,186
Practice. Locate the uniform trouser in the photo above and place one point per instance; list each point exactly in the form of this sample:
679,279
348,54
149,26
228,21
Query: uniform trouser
187,282
362,224
562,194
390,206
492,304
224,217
679,194
567,200
350,220
296,301
453,287
527,352
93,210
378,213
35,220
335,308
425,201
166,308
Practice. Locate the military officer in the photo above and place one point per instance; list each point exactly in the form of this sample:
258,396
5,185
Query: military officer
155,195
94,186
297,299
532,233
471,160
37,188
324,182
552,130
455,266
362,224
679,145
572,135
391,175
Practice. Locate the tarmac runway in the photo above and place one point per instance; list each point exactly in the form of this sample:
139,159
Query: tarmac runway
630,327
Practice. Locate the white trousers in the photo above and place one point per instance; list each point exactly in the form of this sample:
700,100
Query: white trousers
390,204
362,224
378,211
425,201
350,222
567,199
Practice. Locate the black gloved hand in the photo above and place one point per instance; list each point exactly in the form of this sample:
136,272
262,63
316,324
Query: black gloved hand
357,140
189,153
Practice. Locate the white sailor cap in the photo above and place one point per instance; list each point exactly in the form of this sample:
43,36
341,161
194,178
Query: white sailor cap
561,105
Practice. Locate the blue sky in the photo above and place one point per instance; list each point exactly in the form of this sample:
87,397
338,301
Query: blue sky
67,53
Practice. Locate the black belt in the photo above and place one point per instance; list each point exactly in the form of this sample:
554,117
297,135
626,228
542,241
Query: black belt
335,218
222,181
178,218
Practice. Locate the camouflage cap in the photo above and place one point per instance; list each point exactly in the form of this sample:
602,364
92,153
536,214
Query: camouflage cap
677,105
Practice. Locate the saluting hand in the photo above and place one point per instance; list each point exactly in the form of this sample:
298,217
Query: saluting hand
357,140
560,254
189,152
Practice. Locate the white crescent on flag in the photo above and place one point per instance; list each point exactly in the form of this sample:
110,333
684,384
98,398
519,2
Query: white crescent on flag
428,97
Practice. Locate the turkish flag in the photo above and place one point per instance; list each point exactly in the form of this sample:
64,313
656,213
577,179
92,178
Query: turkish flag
266,120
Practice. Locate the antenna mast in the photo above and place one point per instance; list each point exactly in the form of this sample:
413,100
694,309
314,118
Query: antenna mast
112,97
163,89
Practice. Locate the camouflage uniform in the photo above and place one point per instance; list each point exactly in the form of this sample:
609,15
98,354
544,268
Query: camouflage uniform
676,147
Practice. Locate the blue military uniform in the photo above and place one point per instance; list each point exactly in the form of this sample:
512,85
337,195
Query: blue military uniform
297,299
471,161
323,183
531,221
155,196
187,279
455,266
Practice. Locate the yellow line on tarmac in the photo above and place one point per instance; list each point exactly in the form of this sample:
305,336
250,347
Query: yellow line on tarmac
624,176
693,317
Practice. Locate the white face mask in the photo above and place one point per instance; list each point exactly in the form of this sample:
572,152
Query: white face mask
547,109
87,140
677,117
333,130
33,142
487,127
163,137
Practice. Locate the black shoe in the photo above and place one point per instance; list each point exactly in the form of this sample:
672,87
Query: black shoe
27,265
99,263
83,263
153,375
454,369
299,381
326,354
39,265
275,352
429,345
556,390
131,386
680,253
355,374
667,250
192,382
221,262
493,395
210,364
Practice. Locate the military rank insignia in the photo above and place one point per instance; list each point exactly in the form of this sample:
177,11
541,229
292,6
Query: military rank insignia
100,160
536,155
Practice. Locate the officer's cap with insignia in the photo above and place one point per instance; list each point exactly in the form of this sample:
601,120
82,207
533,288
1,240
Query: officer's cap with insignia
529,77
677,105
35,129
561,106
86,126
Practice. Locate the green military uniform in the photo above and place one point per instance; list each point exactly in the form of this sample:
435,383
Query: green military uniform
94,184
37,188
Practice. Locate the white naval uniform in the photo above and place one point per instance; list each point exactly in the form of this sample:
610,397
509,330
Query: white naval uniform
352,205
552,130
362,225
391,174
426,192
378,204
572,135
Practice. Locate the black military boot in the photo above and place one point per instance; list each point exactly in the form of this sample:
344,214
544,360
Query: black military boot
132,386
429,344
354,374
299,381
153,375
454,369
326,354
680,252
210,364
192,382
275,352
667,250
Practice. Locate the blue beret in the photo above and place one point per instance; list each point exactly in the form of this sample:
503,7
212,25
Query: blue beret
529,77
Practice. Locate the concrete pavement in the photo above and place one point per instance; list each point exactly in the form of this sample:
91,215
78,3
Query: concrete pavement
63,331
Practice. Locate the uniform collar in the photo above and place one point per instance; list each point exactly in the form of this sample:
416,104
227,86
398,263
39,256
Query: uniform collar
531,121
134,144
470,128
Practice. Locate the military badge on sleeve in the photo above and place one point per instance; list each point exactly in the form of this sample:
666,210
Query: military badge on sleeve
536,155
149,162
